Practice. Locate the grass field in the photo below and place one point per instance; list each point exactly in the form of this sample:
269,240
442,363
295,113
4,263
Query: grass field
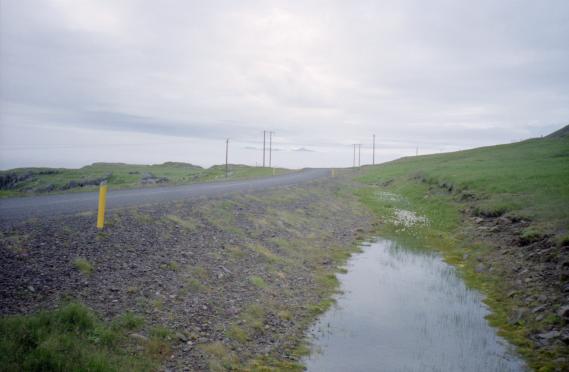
445,193
29,181
528,179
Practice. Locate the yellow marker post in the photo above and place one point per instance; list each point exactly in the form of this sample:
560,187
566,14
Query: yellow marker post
333,172
102,204
274,171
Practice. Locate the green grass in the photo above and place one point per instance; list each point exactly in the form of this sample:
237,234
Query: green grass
220,357
237,333
527,180
258,282
70,338
128,321
122,176
83,265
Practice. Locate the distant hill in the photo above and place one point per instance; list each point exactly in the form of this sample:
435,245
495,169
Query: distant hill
561,133
29,181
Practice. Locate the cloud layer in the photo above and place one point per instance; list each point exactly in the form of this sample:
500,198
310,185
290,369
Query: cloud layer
441,74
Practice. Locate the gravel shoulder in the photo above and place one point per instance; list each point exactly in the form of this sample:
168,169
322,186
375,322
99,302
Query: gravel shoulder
235,279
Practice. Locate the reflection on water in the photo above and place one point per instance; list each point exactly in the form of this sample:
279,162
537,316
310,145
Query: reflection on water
404,310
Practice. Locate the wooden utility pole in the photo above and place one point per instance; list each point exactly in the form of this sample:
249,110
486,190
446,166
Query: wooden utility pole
226,157
264,140
354,155
373,152
359,154
270,148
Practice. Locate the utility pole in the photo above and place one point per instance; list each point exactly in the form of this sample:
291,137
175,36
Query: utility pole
359,154
270,148
226,157
354,155
264,139
417,151
373,156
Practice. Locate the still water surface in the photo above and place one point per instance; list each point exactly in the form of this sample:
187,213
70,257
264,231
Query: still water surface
406,310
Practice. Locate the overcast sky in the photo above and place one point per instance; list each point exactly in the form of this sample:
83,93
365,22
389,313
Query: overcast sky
151,81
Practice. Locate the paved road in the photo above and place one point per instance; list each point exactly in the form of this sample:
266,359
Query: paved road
17,209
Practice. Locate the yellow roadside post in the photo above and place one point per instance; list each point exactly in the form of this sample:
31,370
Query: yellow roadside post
274,171
102,204
333,172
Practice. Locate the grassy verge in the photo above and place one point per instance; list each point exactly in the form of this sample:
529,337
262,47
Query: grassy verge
29,181
73,338
497,214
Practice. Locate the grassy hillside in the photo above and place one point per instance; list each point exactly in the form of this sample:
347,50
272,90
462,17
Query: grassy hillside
500,215
528,179
26,181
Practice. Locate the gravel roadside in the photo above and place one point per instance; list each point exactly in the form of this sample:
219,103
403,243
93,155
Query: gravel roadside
235,279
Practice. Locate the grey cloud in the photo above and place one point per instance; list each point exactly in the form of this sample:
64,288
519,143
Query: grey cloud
439,73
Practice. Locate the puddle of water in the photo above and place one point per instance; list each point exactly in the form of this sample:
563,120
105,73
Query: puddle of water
403,310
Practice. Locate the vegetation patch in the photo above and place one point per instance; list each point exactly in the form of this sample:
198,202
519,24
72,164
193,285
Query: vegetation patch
70,338
258,282
220,357
83,265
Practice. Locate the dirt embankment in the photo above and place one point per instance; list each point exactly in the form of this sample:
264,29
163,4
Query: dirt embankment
235,280
533,272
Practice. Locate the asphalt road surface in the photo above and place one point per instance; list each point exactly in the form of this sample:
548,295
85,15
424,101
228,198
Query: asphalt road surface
18,209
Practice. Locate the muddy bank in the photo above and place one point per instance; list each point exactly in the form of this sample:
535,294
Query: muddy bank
235,280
